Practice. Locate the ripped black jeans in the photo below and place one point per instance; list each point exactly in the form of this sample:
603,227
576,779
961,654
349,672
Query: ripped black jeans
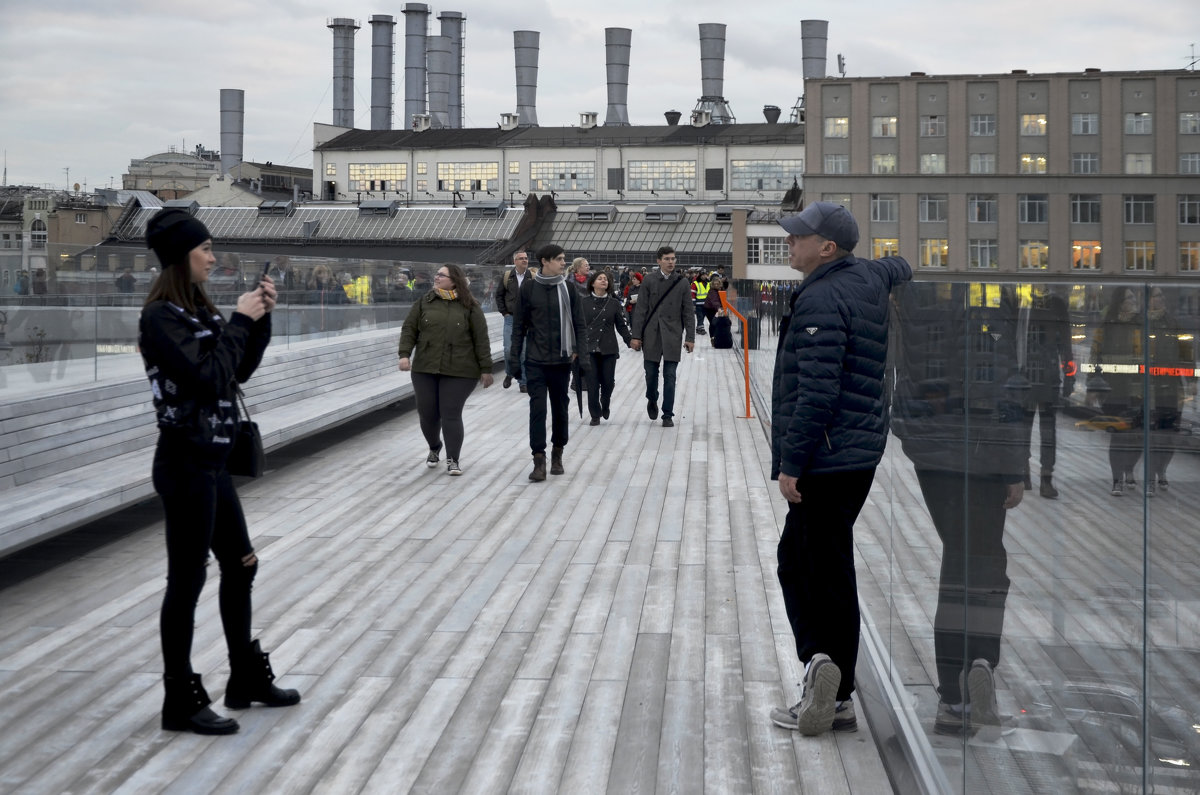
202,513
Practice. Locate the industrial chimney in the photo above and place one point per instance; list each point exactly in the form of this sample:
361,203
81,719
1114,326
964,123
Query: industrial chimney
452,28
673,117
233,113
383,34
712,74
438,49
525,51
343,70
814,35
771,113
416,18
616,63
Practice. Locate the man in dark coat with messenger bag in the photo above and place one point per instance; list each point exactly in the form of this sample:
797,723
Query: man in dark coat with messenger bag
662,319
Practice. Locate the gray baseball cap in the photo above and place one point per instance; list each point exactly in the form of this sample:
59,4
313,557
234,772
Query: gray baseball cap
830,221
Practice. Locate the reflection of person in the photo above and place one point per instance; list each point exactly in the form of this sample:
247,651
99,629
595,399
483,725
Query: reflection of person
957,412
450,335
581,269
507,293
603,319
194,360
1047,364
126,282
283,273
39,281
662,319
22,287
632,288
1117,355
546,331
1171,358
700,288
828,430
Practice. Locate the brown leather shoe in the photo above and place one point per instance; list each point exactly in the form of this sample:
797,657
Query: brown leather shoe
539,467
556,467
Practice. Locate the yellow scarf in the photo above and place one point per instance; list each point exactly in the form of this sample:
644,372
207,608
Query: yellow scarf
449,295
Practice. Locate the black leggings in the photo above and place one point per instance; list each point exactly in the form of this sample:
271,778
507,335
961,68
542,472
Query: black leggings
202,513
440,401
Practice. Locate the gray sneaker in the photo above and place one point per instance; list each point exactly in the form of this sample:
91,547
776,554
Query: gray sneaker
817,708
844,719
981,687
434,456
452,467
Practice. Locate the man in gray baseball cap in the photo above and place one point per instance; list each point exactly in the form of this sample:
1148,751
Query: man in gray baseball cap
828,430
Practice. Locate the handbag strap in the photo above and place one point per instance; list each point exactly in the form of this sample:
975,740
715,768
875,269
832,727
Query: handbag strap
242,400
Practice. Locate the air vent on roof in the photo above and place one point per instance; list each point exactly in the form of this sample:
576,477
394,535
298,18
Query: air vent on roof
379,207
284,208
310,228
596,213
664,214
724,212
421,122
485,208
191,205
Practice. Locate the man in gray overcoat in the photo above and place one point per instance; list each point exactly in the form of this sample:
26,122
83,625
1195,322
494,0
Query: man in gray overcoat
663,324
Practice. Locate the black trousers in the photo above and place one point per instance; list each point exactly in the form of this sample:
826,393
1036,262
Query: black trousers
816,569
548,383
968,514
601,378
440,401
202,513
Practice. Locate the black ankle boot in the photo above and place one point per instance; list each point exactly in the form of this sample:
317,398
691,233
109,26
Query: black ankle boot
251,679
185,708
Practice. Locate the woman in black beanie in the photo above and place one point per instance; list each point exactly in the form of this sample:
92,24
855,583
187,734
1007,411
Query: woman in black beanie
195,361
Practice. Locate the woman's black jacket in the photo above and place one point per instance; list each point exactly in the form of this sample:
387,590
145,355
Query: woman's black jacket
603,319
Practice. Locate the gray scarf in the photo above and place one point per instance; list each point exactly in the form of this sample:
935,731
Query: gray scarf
566,328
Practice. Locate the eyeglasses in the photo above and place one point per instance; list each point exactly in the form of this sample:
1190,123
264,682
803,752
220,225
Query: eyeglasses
443,275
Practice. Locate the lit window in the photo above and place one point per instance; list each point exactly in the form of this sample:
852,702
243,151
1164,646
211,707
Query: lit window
1032,208
837,164
1189,256
1189,163
1085,123
1085,208
932,206
983,254
1033,124
562,175
378,176
885,247
1085,255
1139,123
983,163
662,175
468,176
1033,164
422,168
934,253
1189,209
883,164
837,127
764,174
983,124
884,207
1139,255
933,164
1139,208
1139,163
981,208
514,167
331,169
1189,122
1085,163
1034,255
883,127
933,126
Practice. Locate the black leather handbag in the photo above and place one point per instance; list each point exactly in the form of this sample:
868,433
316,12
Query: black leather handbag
247,457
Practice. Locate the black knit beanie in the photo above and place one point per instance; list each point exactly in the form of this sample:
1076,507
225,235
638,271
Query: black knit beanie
173,233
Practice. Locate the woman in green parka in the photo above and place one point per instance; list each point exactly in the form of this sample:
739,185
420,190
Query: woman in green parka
450,335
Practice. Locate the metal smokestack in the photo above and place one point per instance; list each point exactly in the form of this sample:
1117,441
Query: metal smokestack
814,36
616,57
233,114
416,17
438,49
383,34
525,51
452,28
343,70
712,73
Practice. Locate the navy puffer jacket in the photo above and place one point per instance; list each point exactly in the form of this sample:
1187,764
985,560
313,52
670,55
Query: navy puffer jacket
828,412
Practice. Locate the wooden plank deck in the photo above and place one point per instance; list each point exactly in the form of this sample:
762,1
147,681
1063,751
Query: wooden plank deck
616,629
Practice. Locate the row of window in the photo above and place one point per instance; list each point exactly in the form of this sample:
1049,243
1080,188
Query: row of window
1034,208
1028,163
668,175
984,254
1033,124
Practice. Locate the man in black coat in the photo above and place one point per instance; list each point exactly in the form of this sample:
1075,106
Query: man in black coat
547,329
662,317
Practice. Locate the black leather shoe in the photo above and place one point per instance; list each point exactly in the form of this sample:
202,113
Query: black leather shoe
252,680
507,381
652,409
185,708
604,413
668,422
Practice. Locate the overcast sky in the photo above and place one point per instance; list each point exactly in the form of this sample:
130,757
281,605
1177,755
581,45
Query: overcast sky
89,86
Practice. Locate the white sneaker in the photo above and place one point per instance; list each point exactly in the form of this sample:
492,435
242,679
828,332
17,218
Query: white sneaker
814,714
